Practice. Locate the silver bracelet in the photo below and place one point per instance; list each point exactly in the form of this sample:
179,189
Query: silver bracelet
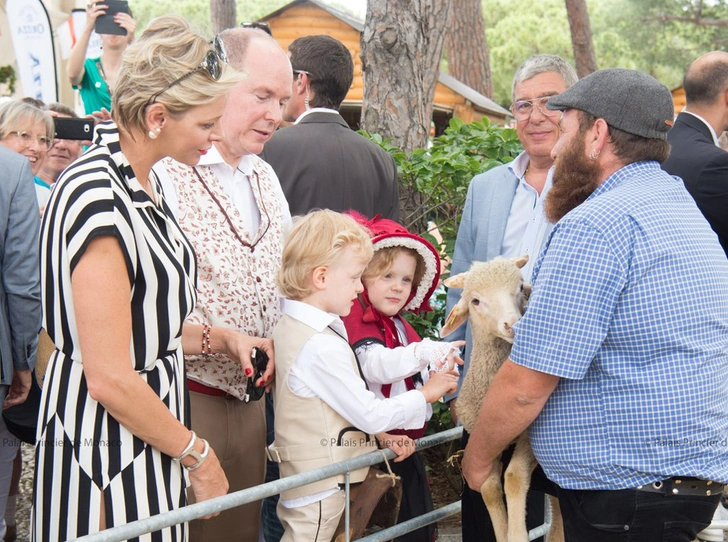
190,451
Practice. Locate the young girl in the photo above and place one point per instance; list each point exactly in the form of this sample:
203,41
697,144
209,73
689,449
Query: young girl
402,275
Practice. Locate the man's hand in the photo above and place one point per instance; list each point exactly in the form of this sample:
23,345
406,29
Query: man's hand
475,473
19,388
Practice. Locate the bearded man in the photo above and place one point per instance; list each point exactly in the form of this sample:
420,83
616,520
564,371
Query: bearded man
620,364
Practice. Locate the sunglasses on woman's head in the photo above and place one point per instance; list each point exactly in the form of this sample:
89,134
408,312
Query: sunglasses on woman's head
211,64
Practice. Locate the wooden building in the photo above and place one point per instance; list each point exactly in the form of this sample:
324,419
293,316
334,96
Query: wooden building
308,17
678,99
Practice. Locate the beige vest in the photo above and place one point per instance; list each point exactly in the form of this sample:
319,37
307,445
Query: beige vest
236,285
309,433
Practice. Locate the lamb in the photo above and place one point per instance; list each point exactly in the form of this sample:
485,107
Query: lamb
494,298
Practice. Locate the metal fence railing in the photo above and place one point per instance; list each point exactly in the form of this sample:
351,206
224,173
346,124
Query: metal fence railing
232,500
225,502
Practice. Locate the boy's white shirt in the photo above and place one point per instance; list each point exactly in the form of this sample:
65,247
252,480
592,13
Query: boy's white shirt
323,369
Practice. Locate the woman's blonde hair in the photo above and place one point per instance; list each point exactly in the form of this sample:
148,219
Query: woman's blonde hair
18,116
318,239
383,260
167,50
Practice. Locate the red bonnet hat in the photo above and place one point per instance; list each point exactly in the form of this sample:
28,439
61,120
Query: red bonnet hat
388,233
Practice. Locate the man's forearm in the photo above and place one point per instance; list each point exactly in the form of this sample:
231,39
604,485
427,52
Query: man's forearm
515,398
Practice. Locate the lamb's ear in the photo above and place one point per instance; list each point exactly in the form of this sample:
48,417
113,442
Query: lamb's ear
520,261
456,281
457,316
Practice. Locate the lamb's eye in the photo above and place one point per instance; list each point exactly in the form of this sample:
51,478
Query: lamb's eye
521,287
475,302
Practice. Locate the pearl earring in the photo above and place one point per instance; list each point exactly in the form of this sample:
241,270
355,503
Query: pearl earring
154,133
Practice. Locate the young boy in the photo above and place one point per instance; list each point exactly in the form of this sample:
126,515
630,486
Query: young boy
324,412
402,275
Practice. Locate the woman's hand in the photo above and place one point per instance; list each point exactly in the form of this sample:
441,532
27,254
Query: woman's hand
239,347
125,21
209,481
401,445
93,11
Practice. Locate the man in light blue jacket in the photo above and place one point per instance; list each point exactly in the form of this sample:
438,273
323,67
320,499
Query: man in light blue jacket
503,216
20,312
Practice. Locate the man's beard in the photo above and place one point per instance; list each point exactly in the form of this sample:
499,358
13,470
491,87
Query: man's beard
575,178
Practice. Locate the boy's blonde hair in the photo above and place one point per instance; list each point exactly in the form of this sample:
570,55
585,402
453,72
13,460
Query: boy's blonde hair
318,239
383,260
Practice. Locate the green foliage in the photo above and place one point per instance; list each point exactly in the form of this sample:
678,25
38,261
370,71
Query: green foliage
198,11
439,176
627,34
8,77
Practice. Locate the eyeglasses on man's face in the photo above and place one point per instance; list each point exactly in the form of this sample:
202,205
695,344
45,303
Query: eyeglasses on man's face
523,109
28,139
211,64
265,27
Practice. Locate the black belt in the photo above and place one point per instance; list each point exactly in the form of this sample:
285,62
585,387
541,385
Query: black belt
684,485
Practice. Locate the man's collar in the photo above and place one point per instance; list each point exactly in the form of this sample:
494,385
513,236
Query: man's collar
214,157
710,127
315,110
519,165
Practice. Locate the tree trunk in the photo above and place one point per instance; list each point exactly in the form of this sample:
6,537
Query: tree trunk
222,13
401,48
468,60
581,37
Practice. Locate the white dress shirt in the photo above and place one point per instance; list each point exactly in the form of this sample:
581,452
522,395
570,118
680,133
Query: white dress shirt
323,369
527,223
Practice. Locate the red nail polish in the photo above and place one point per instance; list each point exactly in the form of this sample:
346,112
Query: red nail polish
248,371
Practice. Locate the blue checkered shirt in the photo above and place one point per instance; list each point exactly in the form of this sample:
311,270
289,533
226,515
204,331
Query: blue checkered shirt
630,309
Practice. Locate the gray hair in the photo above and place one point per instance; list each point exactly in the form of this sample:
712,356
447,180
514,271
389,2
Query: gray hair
538,64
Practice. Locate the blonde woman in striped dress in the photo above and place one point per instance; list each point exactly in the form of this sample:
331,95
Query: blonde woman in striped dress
118,280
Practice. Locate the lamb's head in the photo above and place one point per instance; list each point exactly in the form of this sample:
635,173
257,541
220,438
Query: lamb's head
493,297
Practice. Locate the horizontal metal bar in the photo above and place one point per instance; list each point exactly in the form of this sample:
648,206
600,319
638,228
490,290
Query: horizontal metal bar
245,496
413,524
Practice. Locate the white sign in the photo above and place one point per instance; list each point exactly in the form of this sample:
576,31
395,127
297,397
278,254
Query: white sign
32,36
69,31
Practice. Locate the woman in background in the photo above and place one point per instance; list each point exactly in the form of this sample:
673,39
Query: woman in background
26,130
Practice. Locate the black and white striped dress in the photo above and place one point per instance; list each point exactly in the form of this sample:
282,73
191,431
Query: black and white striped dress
82,450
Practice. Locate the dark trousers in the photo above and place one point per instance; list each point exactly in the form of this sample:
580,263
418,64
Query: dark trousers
416,497
476,524
272,528
629,515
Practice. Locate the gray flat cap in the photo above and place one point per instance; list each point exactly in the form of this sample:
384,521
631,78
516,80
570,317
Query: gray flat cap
628,100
